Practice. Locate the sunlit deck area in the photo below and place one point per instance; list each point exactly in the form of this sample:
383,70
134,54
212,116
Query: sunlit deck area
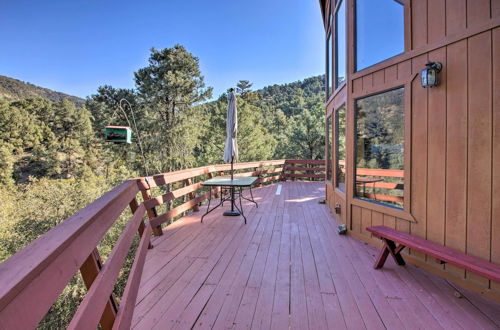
288,268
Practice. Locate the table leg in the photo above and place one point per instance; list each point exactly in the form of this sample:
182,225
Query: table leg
208,206
241,205
250,200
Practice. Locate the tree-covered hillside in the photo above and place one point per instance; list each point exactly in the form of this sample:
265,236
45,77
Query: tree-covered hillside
15,90
53,158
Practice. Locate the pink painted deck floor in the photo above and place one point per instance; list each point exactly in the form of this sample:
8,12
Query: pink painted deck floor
288,268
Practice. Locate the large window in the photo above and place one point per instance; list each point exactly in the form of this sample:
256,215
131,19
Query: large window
329,148
340,152
340,45
380,148
329,61
379,31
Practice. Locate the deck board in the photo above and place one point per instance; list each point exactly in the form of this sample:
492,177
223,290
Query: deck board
287,268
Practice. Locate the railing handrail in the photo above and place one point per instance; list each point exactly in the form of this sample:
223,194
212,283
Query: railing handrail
174,176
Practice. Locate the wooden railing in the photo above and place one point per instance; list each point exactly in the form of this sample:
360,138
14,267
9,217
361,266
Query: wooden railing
187,183
383,185
305,169
32,279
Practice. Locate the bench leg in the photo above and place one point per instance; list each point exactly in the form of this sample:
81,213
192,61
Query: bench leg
389,248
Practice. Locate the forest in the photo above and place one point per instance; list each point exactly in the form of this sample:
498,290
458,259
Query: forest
54,160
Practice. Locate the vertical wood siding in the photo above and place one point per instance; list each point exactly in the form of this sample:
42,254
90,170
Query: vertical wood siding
455,131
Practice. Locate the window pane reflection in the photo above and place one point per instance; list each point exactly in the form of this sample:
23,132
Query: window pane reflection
340,46
329,148
380,148
329,61
379,31
340,136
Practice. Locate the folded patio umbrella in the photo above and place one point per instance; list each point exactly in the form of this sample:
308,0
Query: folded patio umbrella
231,147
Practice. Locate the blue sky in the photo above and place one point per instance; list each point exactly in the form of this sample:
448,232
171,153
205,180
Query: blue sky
75,46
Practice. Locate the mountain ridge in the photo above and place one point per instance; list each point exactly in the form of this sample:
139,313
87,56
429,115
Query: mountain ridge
12,89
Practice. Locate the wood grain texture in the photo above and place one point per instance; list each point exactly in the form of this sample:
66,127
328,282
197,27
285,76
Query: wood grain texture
495,9
288,268
419,24
436,162
356,219
456,148
436,16
456,19
495,212
478,11
419,142
479,146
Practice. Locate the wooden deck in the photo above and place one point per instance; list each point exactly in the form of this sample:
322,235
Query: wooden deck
287,268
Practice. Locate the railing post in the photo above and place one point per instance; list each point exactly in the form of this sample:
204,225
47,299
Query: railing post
133,207
283,172
192,195
146,195
257,172
89,270
214,191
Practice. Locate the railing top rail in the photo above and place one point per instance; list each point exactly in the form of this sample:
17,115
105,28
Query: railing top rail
305,161
170,177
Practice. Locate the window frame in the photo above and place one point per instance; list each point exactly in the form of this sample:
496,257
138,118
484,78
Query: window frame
400,212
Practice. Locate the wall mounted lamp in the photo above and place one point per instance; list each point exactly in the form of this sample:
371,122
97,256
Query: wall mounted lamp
430,74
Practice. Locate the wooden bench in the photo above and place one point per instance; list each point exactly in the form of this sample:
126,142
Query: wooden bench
442,254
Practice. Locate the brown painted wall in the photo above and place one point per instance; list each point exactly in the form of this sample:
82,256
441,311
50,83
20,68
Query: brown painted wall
452,160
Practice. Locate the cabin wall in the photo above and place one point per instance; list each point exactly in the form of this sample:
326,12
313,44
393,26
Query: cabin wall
452,167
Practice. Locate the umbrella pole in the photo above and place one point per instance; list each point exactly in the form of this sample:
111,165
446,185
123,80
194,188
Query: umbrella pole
232,188
232,212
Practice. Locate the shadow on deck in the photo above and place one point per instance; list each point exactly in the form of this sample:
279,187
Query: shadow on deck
289,268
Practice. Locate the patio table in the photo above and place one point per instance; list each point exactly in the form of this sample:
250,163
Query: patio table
363,181
235,186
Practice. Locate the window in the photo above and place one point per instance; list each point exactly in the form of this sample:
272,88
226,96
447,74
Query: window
379,31
328,75
329,148
340,46
340,136
380,148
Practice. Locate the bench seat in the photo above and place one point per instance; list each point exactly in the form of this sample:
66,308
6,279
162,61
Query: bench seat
441,253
